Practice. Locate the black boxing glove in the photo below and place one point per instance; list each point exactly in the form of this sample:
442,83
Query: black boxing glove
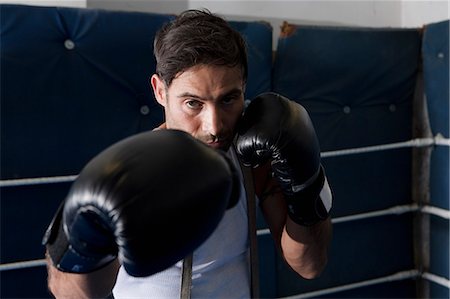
150,200
278,129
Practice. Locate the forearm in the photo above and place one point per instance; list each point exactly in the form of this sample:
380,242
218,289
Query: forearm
97,284
305,248
278,130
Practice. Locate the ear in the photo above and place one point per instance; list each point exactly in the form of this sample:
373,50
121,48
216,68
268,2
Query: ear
159,89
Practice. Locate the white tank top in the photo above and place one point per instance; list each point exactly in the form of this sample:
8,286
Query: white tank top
220,265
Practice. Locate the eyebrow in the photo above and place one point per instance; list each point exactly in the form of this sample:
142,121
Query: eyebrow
188,95
234,91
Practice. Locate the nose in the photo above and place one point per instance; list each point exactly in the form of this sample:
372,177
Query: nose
213,121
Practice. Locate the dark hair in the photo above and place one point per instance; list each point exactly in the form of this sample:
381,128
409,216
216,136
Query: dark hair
197,37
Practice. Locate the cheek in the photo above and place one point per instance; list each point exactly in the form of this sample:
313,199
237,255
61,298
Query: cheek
234,115
237,113
181,120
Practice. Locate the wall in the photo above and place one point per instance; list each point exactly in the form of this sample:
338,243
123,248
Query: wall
374,13
417,13
404,13
360,13
68,3
157,6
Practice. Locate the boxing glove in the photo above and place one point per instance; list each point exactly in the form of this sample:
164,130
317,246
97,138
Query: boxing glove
277,129
150,200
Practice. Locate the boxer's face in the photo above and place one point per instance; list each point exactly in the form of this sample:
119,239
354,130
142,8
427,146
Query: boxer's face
205,101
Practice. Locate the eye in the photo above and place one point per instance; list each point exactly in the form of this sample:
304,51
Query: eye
194,104
230,99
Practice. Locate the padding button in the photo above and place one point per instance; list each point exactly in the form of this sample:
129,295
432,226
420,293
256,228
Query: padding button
347,109
440,55
392,108
145,110
70,45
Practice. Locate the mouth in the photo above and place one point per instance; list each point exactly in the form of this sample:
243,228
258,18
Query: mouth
222,144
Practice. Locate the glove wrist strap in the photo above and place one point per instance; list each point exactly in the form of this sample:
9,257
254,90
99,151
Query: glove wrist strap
62,254
312,203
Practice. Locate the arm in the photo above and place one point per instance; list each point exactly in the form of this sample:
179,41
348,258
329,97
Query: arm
123,196
97,284
305,249
276,136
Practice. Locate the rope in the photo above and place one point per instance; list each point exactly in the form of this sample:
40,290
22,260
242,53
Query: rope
395,210
440,140
436,211
37,181
394,277
419,142
22,265
437,279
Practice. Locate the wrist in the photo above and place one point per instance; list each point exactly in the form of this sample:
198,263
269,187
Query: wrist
66,257
310,202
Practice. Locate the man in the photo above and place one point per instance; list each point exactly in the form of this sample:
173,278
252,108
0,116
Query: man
200,81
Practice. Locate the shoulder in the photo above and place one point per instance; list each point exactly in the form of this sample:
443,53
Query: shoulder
161,126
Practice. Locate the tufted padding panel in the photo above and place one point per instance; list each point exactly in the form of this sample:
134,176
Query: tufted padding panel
74,81
258,38
435,51
358,85
350,80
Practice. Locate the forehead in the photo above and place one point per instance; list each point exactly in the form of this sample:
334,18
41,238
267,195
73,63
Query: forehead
208,80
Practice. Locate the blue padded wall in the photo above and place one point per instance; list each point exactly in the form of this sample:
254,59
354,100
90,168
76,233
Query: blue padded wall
435,51
61,106
73,82
358,85
258,37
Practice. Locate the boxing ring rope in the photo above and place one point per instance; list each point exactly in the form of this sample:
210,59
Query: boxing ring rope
438,140
403,275
436,279
390,278
22,265
395,210
418,142
410,274
38,181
